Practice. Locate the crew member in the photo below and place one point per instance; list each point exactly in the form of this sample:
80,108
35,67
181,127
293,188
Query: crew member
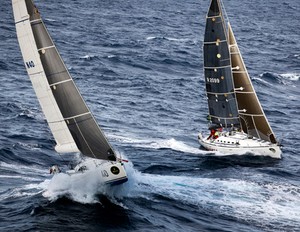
212,133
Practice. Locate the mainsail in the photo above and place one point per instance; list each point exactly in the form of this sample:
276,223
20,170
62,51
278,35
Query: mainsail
71,122
252,117
217,70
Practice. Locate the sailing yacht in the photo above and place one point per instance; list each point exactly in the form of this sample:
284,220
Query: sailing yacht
237,121
72,124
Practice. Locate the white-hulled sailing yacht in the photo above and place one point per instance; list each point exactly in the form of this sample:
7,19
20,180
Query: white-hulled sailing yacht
237,121
71,122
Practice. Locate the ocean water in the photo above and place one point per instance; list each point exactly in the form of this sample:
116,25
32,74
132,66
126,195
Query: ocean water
138,65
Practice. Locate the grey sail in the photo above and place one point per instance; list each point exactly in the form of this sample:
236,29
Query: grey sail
84,129
222,102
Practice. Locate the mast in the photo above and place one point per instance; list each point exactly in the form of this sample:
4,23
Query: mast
253,119
55,88
221,97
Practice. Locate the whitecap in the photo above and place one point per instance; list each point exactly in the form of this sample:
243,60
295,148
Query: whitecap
85,187
150,38
88,57
290,76
244,199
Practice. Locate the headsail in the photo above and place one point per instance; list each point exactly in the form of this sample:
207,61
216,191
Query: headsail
217,70
66,112
252,117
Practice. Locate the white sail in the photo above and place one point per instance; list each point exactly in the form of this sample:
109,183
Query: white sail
31,57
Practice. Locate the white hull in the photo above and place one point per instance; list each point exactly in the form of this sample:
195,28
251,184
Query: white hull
110,172
238,143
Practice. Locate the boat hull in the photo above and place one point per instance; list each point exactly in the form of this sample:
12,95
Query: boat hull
239,143
109,172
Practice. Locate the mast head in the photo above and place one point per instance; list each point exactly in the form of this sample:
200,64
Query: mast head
214,9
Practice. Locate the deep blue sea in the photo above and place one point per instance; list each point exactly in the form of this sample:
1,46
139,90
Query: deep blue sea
139,66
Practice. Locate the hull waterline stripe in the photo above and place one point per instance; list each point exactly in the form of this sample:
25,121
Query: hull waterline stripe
118,179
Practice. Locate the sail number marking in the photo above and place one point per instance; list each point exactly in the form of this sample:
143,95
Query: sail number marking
30,64
213,80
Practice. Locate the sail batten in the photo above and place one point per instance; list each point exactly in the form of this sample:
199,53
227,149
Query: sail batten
21,21
77,116
44,48
59,82
217,67
215,93
238,92
35,20
215,42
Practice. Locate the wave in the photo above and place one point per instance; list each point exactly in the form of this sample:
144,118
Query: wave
9,107
26,180
264,203
50,20
284,78
85,187
21,192
3,65
89,57
175,145
26,170
156,143
170,39
290,76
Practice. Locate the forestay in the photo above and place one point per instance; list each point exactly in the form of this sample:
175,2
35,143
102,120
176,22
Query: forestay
65,110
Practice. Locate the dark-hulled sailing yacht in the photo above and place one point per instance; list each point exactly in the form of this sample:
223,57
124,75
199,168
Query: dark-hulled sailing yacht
71,122
237,121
